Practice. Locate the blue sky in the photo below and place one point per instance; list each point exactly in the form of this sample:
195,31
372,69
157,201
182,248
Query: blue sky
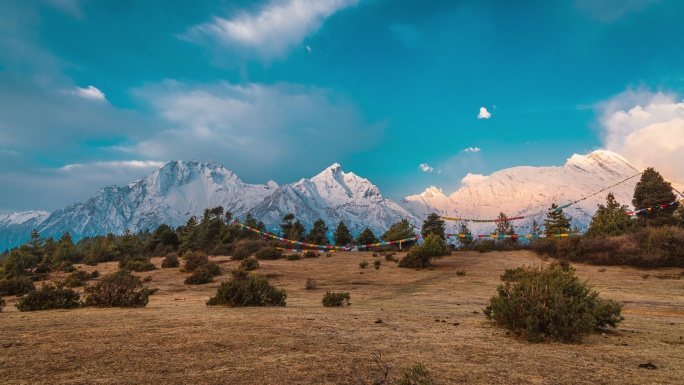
405,93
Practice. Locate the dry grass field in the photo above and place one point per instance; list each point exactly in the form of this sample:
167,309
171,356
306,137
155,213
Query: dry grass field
431,316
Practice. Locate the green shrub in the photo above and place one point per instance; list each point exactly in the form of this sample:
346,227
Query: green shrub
419,256
416,375
389,257
94,274
363,264
268,253
194,261
200,276
487,245
240,254
16,286
2,303
460,272
540,303
170,261
118,289
246,248
310,254
136,263
293,257
377,264
77,278
49,296
247,289
249,264
336,299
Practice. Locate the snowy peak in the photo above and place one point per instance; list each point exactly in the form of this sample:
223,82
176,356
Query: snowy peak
334,182
432,192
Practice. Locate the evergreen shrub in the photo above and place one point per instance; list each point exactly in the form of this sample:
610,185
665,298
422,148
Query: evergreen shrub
16,286
247,289
331,299
249,264
170,261
47,297
268,253
118,289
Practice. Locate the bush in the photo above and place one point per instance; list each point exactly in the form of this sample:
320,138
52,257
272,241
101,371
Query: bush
363,264
460,272
550,303
137,263
247,289
195,261
2,303
249,264
311,284
310,254
77,278
170,261
377,264
119,289
417,375
268,253
16,286
200,276
94,274
245,248
420,256
293,257
53,296
336,299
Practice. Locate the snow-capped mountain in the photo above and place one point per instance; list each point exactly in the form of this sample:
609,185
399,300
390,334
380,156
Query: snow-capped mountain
179,190
530,191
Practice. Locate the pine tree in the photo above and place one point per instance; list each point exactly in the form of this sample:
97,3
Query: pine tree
342,235
433,225
318,233
556,222
652,191
366,237
503,226
65,250
610,220
535,230
399,230
466,242
286,225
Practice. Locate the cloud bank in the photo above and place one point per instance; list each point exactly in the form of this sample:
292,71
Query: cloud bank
646,128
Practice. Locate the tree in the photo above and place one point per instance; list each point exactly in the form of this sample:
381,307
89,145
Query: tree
399,230
610,220
503,226
433,225
535,229
318,233
433,247
65,250
466,241
651,192
556,222
366,237
286,225
342,235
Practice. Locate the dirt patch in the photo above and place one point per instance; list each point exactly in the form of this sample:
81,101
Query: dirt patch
429,316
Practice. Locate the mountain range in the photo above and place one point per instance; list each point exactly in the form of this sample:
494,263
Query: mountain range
179,190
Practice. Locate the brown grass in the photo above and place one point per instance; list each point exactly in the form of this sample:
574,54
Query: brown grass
429,316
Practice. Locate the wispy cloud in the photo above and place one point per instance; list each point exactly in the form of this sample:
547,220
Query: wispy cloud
425,168
607,11
471,149
89,93
484,114
272,31
647,128
113,165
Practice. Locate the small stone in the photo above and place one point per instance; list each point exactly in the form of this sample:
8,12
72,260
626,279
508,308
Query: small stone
648,366
379,321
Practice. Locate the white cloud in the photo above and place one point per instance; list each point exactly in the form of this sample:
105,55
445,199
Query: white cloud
472,179
646,128
484,114
308,48
471,149
113,165
89,93
272,31
425,168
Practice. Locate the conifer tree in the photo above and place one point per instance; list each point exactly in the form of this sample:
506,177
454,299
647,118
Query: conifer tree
399,230
466,242
556,222
652,191
342,235
535,230
610,220
318,233
433,224
65,250
366,237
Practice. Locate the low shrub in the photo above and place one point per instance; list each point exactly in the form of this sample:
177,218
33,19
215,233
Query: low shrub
16,286
49,296
389,257
199,276
377,264
246,248
336,299
194,261
249,264
363,264
170,261
77,278
420,256
247,289
311,284
460,272
310,254
136,263
118,289
94,274
293,257
416,375
540,303
2,303
268,253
